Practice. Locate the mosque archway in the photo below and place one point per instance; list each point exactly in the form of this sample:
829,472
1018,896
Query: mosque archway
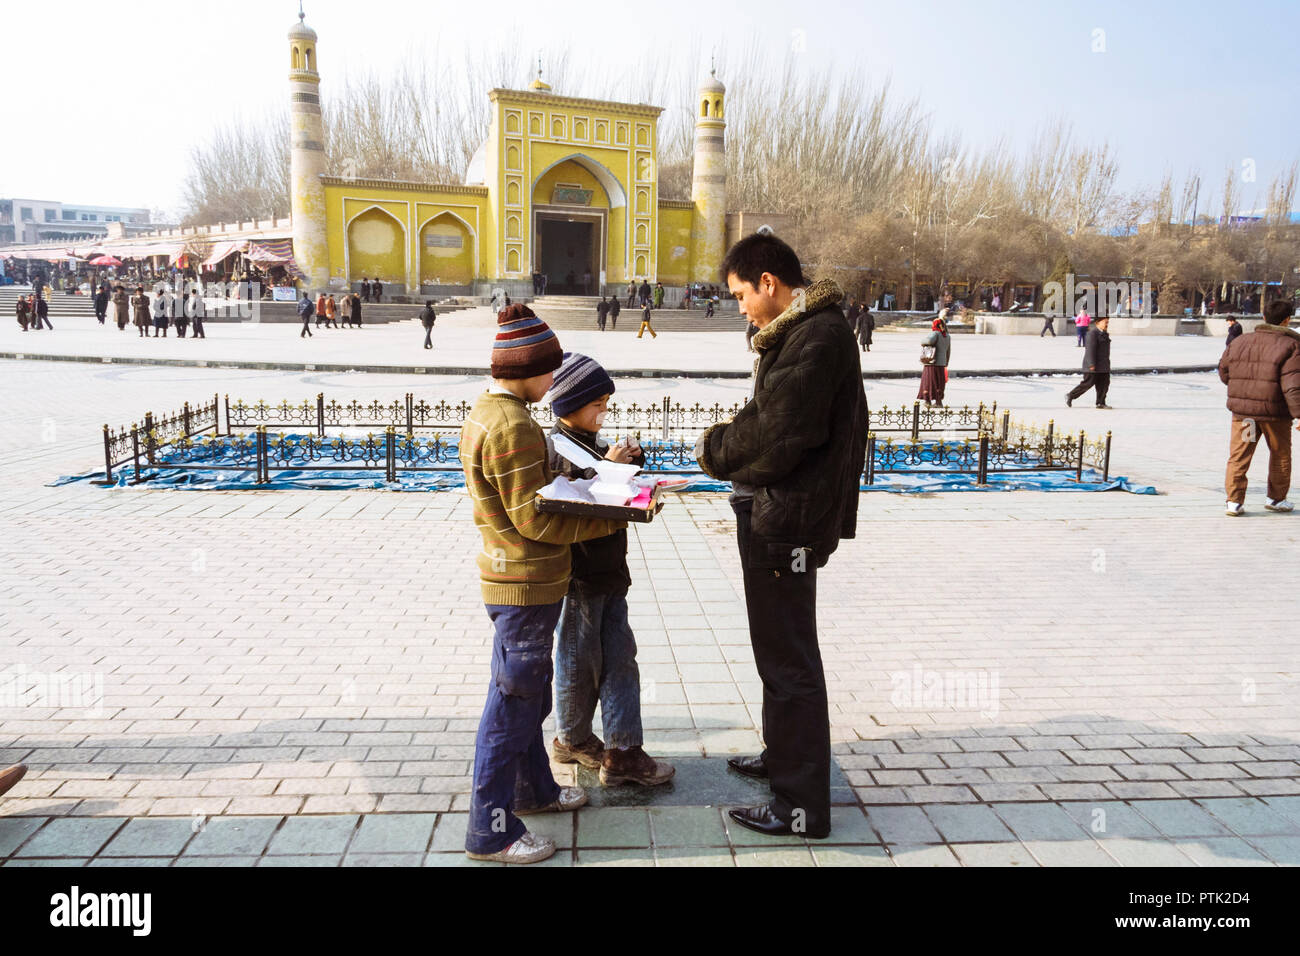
376,246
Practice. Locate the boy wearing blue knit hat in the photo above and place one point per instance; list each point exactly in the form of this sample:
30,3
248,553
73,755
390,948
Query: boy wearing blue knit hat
595,656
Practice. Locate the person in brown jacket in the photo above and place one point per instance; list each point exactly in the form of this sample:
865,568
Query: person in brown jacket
140,310
1262,372
120,307
22,309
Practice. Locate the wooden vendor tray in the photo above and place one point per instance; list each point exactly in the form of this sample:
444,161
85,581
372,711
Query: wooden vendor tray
616,512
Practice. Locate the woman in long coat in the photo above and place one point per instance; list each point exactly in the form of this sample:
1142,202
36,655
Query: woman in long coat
140,308
121,309
934,377
864,325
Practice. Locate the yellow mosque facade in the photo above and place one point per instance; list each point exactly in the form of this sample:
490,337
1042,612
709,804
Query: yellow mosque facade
562,186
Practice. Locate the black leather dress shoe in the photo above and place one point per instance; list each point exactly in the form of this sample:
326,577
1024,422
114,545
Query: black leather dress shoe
749,766
763,820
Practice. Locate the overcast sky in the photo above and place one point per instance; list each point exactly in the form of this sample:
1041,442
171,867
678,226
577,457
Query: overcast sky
1170,84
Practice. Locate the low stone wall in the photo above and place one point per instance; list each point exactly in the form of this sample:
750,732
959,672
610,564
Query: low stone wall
1217,325
1031,323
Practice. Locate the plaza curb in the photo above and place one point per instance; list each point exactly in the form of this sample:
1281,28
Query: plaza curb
616,372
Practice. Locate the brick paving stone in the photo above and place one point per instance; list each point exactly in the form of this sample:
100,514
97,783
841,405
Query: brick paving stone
904,855
994,854
313,835
975,824
1069,853
150,838
903,825
850,856
993,792
233,836
1223,851
1284,851
70,837
1205,788
694,856
1181,818
1251,817
1146,853
1108,819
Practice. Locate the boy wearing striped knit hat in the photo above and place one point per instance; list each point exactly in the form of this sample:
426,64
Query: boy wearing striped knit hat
595,654
524,571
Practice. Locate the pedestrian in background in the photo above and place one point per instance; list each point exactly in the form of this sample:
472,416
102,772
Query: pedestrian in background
865,324
140,311
101,303
937,346
1081,322
121,308
602,313
1234,330
427,318
1262,372
345,307
194,309
305,311
365,289
614,309
377,289
645,323
1096,364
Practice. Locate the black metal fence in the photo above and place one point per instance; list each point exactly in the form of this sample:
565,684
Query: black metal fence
144,441
193,438
409,415
1011,446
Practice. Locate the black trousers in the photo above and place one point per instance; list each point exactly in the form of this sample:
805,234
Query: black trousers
1049,325
306,328
428,337
1101,380
782,608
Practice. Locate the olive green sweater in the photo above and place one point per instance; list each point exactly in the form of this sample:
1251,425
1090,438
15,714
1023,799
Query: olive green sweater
525,556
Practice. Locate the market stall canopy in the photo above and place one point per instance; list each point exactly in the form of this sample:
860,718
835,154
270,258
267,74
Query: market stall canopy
275,252
223,249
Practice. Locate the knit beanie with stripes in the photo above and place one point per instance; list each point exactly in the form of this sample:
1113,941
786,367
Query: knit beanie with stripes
580,380
525,345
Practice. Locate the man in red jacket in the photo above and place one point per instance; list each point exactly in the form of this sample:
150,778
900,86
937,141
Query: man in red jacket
1262,372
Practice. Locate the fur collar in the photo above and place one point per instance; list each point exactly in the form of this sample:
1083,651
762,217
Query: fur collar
818,296
1262,327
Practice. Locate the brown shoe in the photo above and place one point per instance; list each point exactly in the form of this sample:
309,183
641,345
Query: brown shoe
10,776
633,765
588,753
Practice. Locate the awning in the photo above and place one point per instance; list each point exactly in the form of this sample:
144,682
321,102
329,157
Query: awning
223,249
278,252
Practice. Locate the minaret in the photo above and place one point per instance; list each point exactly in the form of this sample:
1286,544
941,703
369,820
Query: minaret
307,157
709,182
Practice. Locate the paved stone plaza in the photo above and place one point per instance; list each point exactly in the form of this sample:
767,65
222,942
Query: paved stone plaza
293,677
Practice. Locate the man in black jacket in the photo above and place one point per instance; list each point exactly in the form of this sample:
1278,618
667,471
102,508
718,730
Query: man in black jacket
614,309
427,318
794,455
1096,363
602,312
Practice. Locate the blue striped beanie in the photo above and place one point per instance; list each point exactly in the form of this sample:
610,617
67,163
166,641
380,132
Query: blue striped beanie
580,380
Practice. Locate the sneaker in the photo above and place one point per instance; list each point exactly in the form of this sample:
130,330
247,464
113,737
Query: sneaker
1234,510
570,798
588,753
1282,506
529,848
633,765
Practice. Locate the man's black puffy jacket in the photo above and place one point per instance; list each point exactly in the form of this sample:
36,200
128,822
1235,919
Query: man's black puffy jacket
801,440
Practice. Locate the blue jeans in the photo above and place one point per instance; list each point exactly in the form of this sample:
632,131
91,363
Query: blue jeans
595,659
511,766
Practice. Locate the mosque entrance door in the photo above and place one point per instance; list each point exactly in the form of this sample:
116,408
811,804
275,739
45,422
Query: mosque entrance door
568,253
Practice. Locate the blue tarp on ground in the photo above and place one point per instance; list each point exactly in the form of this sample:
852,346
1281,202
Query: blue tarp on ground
935,479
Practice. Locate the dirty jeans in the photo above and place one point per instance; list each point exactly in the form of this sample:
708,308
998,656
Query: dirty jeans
511,766
595,659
